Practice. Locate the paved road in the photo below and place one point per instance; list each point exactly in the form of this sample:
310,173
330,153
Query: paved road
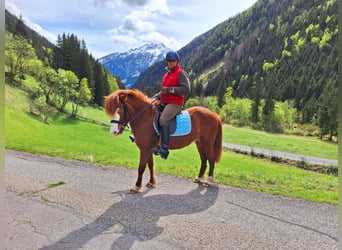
92,210
283,155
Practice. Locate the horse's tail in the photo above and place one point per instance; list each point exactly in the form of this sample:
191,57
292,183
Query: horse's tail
218,141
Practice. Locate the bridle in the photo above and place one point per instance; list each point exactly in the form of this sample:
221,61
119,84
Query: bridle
127,114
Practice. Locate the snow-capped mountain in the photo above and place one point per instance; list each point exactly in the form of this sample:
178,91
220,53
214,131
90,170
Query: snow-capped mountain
128,65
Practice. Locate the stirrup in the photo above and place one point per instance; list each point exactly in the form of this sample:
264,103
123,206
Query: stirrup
164,153
156,150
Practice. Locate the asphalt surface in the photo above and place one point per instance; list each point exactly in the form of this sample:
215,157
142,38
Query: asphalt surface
92,210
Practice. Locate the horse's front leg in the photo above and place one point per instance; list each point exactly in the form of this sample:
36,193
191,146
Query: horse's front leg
153,178
142,166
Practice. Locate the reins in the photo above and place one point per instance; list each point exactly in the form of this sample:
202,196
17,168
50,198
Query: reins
127,113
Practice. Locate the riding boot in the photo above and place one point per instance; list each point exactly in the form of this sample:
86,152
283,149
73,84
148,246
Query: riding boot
163,150
165,136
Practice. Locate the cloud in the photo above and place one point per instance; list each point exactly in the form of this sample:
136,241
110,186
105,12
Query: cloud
156,37
126,40
158,6
106,3
118,38
136,2
119,25
136,24
115,3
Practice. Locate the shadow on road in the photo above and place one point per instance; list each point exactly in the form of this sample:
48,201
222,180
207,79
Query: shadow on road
135,217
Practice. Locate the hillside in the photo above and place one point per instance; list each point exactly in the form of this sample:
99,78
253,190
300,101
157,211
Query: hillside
284,49
16,26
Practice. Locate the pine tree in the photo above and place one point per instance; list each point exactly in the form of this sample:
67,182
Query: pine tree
327,110
257,92
268,108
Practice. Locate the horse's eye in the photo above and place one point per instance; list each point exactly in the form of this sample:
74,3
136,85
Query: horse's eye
118,111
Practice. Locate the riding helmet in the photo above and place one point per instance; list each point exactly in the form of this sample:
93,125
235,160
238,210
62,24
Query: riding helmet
172,55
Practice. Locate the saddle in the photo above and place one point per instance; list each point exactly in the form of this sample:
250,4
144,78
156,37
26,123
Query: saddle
178,126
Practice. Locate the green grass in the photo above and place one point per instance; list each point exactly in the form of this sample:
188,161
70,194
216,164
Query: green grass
303,145
74,139
94,114
255,174
52,185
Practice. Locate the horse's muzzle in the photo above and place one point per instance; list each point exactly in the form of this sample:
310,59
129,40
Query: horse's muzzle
117,132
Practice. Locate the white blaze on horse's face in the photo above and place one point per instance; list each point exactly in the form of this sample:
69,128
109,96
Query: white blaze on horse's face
114,128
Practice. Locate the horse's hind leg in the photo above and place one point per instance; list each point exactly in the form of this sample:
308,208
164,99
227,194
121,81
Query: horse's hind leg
211,171
206,154
201,177
201,174
153,178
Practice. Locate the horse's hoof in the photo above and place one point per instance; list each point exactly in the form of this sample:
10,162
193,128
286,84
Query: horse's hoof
196,180
211,179
134,190
199,180
150,185
205,184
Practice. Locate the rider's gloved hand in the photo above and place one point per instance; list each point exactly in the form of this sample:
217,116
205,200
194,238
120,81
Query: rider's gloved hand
164,90
168,90
161,107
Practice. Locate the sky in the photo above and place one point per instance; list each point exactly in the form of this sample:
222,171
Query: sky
109,26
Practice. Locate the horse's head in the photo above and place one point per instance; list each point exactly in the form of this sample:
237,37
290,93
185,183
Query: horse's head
119,107
115,109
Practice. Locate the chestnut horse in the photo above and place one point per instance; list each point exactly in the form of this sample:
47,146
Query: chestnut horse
136,109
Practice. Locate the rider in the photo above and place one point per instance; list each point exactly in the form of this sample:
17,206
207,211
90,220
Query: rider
175,85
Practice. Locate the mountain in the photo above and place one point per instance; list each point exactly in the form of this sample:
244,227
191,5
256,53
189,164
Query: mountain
276,49
130,64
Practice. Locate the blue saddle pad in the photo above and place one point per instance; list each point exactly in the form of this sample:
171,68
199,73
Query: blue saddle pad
183,122
179,125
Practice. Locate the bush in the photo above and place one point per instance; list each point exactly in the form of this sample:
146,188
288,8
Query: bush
41,108
191,102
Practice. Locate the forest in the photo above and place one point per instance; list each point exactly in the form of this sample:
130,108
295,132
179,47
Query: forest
274,53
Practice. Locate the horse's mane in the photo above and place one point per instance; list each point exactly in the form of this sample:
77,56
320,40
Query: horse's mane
111,101
139,94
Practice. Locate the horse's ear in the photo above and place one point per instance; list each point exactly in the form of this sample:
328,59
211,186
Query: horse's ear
123,96
110,104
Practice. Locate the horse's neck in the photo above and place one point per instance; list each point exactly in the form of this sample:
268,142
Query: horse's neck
140,111
135,106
